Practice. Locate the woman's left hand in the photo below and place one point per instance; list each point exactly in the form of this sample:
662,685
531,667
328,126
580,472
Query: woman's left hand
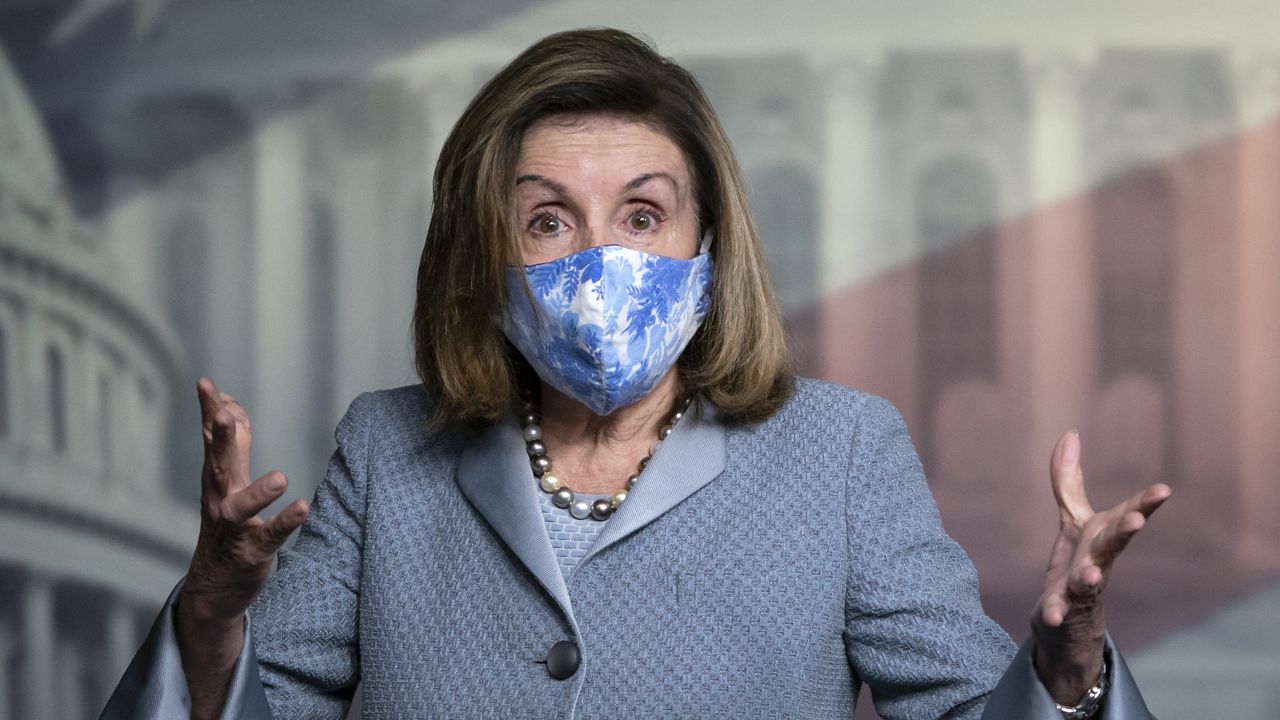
1068,622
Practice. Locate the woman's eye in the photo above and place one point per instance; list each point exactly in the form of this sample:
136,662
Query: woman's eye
547,225
642,220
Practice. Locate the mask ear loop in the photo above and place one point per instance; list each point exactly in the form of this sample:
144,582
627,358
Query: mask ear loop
705,245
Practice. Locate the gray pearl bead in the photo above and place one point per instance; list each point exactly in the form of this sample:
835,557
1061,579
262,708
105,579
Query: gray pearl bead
540,464
580,509
532,432
536,448
631,481
562,498
601,509
664,432
528,418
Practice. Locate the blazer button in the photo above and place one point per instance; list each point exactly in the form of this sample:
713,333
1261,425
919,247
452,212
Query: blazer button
563,660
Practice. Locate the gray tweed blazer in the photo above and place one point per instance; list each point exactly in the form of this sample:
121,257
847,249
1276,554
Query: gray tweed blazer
755,572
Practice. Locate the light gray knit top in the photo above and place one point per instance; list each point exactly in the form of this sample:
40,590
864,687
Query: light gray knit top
571,538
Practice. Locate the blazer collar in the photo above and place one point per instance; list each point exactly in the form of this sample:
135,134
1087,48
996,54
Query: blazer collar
493,472
693,455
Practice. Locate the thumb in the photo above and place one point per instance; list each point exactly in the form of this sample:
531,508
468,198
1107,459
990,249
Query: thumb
1067,479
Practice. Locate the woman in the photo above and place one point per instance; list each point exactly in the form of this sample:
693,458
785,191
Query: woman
609,497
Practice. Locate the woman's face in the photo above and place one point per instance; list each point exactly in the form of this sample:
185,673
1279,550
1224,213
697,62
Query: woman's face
583,181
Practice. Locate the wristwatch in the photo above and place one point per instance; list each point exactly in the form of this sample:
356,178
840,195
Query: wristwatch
1092,701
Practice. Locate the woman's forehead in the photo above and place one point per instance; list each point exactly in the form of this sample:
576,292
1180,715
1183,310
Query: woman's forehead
598,147
576,121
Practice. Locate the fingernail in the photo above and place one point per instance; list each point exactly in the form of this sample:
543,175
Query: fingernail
1071,453
275,482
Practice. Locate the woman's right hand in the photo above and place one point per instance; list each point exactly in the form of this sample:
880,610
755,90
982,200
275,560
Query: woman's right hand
236,547
234,553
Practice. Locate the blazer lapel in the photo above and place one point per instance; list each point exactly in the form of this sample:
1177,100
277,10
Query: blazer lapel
494,474
693,455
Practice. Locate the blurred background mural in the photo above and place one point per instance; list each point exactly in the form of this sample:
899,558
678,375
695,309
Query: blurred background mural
1008,217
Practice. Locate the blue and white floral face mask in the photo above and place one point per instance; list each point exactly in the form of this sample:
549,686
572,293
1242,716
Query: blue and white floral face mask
609,321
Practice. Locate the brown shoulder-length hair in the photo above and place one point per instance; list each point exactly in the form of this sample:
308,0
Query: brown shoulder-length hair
738,358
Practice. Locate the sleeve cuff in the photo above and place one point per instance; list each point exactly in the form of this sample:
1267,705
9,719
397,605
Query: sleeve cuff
1020,694
154,686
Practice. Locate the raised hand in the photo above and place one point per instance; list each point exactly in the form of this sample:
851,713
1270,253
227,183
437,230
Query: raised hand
236,546
234,552
1069,622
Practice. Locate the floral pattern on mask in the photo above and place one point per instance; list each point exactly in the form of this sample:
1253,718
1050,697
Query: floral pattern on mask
606,323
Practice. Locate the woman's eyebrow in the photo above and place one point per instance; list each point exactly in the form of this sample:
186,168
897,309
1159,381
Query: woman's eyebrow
546,182
642,179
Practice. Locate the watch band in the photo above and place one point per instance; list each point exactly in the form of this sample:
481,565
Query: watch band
1092,701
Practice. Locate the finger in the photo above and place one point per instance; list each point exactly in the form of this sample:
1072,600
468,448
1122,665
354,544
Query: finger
208,395
276,530
247,503
1067,478
1054,609
244,432
1085,583
217,473
1150,499
225,474
1111,541
229,400
1130,517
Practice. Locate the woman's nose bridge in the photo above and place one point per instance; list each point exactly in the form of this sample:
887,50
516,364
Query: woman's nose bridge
597,224
596,231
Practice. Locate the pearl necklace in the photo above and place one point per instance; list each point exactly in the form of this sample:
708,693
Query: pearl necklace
561,496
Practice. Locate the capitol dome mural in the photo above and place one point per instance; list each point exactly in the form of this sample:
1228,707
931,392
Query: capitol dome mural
88,533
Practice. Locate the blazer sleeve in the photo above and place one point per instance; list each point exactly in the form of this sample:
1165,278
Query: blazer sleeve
301,651
154,687
915,631
307,636
1020,694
